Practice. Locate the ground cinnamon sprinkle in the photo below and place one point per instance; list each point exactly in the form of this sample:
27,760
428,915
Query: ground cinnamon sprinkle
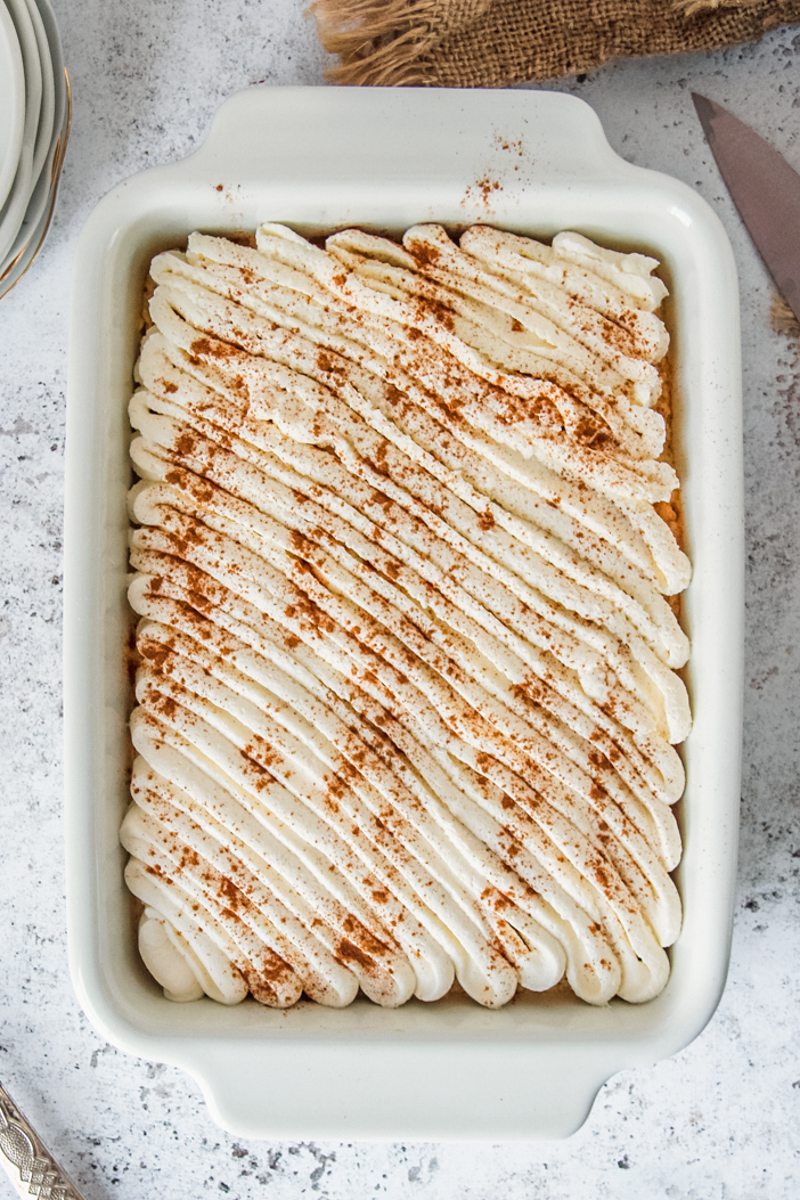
185,444
155,653
189,858
484,187
232,895
166,706
205,347
302,544
347,951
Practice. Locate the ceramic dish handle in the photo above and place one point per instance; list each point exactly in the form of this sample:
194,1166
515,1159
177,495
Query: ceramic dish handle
254,130
251,1088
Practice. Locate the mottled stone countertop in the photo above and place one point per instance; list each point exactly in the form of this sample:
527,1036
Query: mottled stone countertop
721,1119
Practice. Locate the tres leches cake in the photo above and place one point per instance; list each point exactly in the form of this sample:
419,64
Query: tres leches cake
405,554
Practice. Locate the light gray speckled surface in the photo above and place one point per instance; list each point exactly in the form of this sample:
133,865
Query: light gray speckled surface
720,1119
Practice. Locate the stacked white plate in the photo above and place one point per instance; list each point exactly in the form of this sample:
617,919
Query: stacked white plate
35,114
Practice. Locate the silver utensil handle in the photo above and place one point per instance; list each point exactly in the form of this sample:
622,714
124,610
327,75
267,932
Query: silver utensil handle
29,1164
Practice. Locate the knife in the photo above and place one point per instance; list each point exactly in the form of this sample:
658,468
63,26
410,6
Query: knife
765,190
30,1166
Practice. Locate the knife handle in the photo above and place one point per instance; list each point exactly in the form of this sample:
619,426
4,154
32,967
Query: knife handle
29,1164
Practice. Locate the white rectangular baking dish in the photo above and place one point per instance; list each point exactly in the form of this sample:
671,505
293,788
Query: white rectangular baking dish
527,161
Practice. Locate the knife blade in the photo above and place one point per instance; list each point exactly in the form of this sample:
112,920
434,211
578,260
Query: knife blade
765,190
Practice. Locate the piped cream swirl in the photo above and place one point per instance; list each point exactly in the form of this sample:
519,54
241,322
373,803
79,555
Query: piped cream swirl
407,695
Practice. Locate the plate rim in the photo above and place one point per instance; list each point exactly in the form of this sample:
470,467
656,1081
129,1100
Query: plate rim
29,48
9,163
47,108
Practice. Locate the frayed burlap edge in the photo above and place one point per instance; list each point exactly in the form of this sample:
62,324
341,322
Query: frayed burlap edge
489,43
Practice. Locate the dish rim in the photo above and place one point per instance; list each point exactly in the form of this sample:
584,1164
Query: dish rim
570,153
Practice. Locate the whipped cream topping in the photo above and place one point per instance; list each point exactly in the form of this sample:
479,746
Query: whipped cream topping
407,693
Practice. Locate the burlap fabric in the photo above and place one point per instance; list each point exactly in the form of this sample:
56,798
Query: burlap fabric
490,43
